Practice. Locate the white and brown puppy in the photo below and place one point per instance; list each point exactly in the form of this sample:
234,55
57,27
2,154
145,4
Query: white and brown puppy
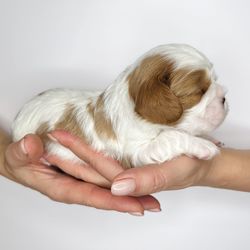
158,108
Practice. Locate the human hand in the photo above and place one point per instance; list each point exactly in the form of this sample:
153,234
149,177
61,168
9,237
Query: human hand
229,170
178,173
23,164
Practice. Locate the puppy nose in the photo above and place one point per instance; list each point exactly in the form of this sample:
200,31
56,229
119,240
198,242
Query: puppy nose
223,100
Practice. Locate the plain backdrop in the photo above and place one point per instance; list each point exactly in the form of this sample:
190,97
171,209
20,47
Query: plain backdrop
86,44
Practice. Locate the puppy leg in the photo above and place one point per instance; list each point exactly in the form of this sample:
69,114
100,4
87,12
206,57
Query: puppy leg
171,144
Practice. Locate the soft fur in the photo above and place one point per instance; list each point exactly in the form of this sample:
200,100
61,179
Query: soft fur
160,107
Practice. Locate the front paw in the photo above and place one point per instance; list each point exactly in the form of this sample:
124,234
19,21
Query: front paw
205,150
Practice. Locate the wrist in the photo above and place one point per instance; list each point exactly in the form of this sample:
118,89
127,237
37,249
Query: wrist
211,176
5,140
230,169
205,175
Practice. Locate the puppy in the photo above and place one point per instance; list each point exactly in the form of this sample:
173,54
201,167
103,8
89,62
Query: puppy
160,107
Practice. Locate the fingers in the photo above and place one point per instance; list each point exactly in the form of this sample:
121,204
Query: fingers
106,166
66,189
178,173
150,203
78,192
140,181
29,149
79,171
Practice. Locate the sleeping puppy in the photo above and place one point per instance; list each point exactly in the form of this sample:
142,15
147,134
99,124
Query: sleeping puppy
160,107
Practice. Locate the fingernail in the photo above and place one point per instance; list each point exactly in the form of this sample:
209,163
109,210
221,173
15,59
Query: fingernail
45,162
22,146
123,187
52,138
136,213
154,210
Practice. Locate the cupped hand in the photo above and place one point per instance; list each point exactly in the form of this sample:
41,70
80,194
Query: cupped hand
179,173
24,164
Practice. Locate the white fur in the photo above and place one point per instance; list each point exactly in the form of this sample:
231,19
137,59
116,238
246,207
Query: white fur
139,140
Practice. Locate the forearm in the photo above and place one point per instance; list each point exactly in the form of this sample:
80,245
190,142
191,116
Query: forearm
4,142
230,170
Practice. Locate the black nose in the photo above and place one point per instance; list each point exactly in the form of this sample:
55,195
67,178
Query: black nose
223,100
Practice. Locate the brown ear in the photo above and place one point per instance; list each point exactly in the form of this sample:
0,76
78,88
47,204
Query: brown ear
149,87
157,104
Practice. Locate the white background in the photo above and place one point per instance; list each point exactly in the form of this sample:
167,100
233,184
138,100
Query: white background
86,44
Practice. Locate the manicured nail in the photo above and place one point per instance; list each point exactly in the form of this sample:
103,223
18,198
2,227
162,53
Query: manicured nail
123,187
22,146
52,138
136,213
154,210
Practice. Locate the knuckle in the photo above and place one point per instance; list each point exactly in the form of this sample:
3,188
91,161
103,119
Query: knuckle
88,201
159,181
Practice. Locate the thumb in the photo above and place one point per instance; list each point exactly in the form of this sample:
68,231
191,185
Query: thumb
29,149
140,181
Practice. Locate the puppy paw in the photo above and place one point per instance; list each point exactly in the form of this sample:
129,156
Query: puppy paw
206,150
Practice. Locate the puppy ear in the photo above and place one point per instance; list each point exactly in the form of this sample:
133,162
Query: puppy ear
149,87
157,104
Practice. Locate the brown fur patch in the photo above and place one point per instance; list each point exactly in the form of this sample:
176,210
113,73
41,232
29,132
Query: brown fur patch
161,93
103,125
190,86
66,122
149,88
69,122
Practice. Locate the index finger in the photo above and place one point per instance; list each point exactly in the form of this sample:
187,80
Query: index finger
104,165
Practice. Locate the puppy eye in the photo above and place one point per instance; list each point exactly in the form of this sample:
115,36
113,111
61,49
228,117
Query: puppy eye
165,79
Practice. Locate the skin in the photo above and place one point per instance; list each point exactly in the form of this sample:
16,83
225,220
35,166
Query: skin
230,169
20,162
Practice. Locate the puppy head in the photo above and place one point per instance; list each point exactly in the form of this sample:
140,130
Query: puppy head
175,85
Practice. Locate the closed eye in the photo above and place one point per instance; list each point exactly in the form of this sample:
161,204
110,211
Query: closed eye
165,79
